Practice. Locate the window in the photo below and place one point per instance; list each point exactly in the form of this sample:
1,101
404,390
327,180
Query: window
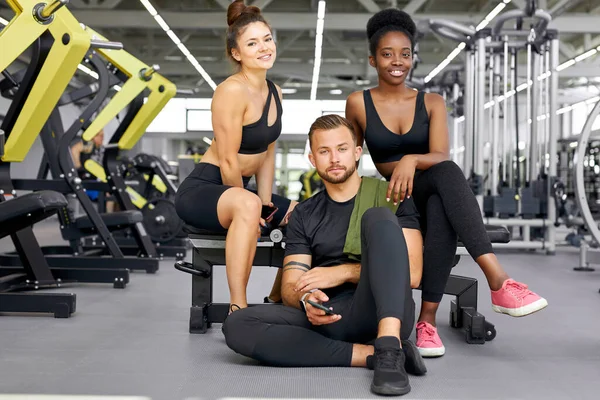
199,120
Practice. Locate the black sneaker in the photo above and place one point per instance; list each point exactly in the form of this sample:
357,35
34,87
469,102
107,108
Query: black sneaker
267,300
413,363
390,377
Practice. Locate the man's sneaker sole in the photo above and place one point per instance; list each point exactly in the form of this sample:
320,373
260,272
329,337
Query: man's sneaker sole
389,390
521,311
432,351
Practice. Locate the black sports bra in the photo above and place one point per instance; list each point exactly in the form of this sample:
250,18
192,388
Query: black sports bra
257,136
387,146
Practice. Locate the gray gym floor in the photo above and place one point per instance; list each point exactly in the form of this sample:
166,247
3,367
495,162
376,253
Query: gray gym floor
134,342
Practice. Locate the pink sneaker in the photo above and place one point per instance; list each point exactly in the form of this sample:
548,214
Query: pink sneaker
428,340
515,299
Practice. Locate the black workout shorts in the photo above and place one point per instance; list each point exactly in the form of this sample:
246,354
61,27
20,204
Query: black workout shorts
408,215
198,195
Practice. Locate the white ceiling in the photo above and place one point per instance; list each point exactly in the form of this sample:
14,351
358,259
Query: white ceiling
201,25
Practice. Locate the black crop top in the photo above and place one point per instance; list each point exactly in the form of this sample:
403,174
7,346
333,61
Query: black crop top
387,146
257,136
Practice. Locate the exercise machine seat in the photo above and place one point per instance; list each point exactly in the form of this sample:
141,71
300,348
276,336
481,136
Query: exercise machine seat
111,220
496,233
203,234
195,232
29,209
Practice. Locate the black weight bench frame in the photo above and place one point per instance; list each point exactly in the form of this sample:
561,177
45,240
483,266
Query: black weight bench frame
209,250
16,218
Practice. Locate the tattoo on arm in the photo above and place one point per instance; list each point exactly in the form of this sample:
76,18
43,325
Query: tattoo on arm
296,265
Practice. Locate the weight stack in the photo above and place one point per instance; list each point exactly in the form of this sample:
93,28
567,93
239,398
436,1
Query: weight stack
505,205
530,204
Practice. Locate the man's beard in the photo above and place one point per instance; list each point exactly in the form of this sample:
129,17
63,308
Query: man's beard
339,179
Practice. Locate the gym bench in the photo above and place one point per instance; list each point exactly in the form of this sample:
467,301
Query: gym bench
209,250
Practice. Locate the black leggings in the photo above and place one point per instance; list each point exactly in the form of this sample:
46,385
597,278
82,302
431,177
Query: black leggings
444,197
282,336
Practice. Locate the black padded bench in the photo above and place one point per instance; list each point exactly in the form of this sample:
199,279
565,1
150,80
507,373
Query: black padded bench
16,215
209,250
113,221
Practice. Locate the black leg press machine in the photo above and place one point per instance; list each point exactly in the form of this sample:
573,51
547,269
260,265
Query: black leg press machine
209,251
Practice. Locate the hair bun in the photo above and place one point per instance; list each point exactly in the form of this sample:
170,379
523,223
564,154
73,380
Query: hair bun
237,9
390,17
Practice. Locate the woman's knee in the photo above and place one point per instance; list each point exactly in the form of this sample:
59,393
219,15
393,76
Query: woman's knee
249,205
447,168
237,204
246,206
434,203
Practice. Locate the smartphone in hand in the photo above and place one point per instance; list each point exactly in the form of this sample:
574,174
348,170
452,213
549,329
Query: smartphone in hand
268,212
321,307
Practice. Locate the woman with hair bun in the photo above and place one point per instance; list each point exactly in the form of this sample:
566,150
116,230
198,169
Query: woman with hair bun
407,136
246,118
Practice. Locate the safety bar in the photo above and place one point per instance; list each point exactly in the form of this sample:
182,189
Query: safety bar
104,44
543,16
452,30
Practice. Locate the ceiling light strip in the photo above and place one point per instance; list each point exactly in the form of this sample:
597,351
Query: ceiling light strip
177,41
318,44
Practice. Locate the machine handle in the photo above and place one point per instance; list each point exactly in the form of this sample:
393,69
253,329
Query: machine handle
452,30
103,44
542,16
185,267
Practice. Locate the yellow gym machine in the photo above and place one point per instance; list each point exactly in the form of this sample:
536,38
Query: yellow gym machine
144,94
58,45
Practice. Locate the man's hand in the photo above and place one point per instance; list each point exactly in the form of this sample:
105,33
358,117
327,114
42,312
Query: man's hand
319,278
316,316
